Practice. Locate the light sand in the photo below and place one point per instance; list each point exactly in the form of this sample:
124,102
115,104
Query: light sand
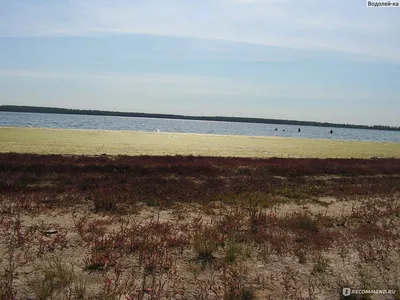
96,142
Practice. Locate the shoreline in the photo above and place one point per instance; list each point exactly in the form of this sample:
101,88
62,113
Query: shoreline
124,142
252,120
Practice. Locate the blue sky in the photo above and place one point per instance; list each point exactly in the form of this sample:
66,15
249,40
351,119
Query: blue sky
333,60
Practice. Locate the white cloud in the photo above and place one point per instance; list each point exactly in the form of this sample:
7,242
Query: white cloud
332,25
166,86
196,95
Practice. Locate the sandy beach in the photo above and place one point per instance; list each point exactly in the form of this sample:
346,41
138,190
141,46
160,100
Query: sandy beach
97,142
181,227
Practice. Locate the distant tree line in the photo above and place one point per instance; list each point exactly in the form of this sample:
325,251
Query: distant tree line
54,110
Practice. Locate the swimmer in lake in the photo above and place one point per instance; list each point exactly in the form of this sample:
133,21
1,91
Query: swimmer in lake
331,131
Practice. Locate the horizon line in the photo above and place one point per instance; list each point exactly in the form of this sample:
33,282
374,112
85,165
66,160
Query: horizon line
210,118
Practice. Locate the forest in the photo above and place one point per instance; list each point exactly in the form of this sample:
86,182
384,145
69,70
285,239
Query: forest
55,110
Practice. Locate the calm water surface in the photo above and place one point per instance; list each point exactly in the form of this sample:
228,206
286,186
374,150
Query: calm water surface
191,126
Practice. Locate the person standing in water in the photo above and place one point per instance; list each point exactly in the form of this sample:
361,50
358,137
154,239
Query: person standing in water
331,131
298,130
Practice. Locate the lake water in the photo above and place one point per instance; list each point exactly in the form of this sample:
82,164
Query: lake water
190,126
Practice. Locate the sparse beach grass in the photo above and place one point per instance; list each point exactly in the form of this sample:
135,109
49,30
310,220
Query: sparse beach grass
186,227
96,142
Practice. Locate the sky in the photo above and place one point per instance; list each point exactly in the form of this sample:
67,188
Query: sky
330,61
